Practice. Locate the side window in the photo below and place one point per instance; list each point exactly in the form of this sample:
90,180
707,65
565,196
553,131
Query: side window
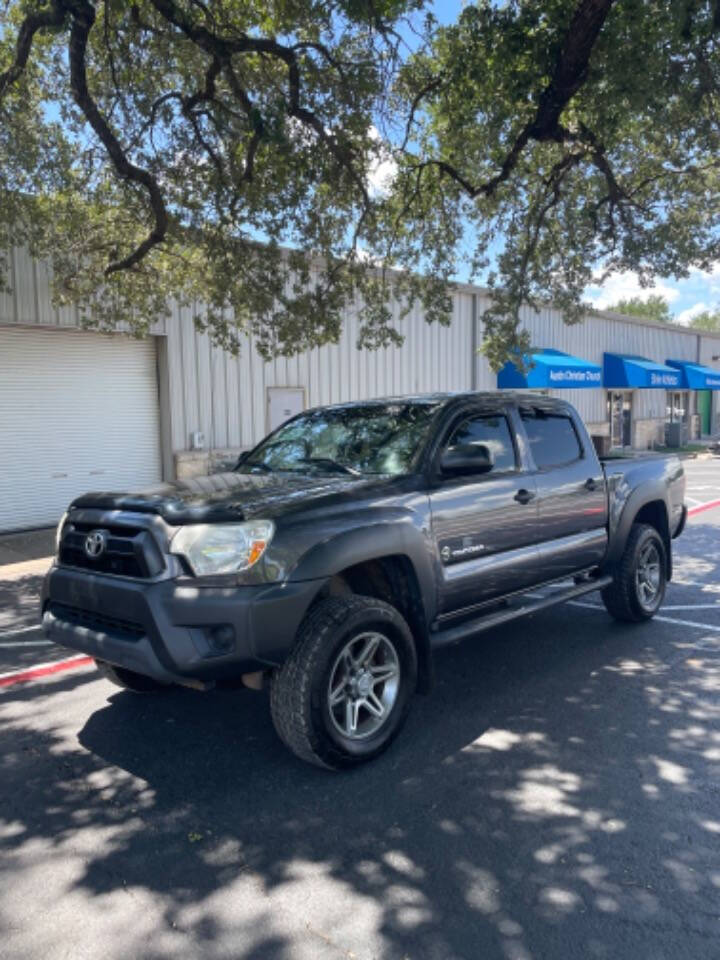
553,439
494,432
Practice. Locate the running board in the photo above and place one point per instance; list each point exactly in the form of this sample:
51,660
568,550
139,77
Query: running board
441,638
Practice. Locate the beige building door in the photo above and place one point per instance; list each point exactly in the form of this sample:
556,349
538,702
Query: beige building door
283,403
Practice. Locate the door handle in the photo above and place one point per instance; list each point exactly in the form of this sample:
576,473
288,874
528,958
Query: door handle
524,496
590,484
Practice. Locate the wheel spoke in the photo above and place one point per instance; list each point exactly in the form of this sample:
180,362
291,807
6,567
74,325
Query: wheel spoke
352,708
368,650
383,672
373,705
338,694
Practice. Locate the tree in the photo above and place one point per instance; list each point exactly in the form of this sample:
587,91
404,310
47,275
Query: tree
568,137
172,147
707,320
168,148
655,308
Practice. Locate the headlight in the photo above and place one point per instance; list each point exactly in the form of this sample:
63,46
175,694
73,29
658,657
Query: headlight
58,532
212,548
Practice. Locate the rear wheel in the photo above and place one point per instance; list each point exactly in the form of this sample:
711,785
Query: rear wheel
344,692
128,679
639,586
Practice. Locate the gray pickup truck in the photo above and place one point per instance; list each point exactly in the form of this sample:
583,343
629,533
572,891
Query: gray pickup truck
348,545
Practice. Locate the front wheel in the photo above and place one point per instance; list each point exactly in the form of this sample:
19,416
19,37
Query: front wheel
344,692
638,589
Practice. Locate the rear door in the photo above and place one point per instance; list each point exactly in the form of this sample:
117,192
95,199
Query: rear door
484,526
572,500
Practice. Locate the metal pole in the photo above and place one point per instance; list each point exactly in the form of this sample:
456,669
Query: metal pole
474,343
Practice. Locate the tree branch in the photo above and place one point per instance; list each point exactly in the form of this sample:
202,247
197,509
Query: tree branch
570,73
32,23
225,47
83,21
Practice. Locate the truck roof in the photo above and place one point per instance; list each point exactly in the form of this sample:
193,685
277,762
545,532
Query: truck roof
493,398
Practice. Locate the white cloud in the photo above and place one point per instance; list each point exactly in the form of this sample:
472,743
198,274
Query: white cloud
685,316
383,168
711,277
623,286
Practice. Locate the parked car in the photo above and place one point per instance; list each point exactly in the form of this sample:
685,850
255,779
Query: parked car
348,545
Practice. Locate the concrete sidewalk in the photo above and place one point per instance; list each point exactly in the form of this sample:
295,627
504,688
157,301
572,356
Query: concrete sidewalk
24,560
28,546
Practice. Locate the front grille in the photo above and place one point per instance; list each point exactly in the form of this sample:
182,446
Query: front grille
98,622
129,551
112,528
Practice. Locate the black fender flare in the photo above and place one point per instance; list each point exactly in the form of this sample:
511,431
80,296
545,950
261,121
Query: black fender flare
624,511
378,541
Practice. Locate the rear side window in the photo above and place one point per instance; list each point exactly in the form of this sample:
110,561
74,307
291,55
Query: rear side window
494,432
553,439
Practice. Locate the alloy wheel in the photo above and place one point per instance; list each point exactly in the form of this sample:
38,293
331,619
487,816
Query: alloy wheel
364,684
648,575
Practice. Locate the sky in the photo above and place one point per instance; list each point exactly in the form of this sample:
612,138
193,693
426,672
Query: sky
687,297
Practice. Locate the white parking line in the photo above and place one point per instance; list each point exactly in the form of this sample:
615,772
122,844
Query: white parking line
26,643
19,631
681,623
692,606
705,585
689,623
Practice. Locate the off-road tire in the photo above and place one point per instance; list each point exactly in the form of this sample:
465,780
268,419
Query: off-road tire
128,679
621,598
298,689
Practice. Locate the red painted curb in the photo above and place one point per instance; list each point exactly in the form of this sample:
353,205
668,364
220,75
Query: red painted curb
703,506
43,670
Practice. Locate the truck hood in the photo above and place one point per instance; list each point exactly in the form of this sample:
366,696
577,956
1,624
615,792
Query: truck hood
235,496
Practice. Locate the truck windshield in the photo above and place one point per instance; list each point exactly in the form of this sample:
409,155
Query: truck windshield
356,440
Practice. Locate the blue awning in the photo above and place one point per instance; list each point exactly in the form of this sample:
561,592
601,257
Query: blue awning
693,376
550,368
626,370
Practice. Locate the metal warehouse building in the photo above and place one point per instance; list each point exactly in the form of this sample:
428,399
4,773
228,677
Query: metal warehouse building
82,411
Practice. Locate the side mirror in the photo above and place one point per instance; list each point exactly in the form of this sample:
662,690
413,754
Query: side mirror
467,458
242,458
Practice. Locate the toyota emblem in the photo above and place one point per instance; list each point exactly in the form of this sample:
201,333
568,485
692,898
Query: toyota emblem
95,543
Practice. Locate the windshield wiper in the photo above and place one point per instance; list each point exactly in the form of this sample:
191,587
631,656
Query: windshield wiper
331,464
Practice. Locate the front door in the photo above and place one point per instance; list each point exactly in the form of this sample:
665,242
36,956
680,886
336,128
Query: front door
620,415
572,502
283,403
485,526
704,405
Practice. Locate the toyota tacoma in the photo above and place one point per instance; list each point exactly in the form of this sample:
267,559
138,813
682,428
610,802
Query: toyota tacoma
352,542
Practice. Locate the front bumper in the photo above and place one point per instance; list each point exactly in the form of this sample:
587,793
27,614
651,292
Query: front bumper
681,524
174,630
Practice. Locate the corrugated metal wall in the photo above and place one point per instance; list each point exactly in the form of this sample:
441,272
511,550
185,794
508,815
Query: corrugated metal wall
225,397
29,301
589,340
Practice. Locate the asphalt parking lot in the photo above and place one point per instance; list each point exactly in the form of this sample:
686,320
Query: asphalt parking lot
557,795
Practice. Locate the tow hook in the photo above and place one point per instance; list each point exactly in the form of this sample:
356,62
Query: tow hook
254,680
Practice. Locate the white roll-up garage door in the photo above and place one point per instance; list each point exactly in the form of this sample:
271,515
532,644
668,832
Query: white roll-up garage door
78,412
